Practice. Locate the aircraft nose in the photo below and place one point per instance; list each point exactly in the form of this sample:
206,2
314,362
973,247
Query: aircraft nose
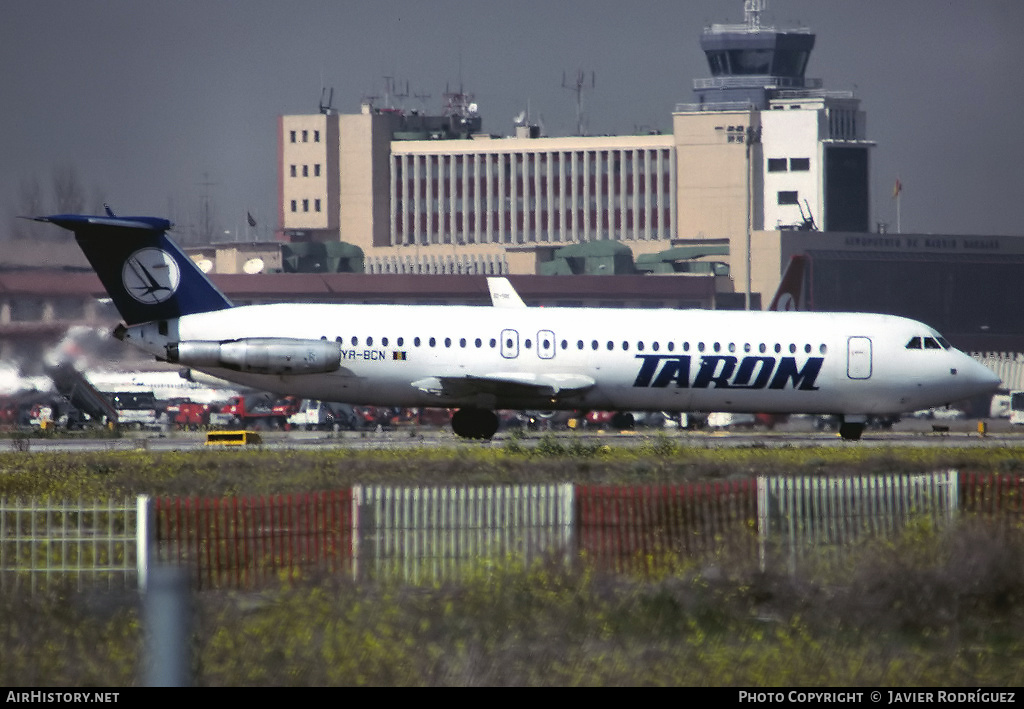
981,379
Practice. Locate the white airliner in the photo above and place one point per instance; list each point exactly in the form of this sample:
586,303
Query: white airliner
165,385
480,359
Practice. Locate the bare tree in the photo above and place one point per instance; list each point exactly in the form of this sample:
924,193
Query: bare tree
68,197
31,203
68,193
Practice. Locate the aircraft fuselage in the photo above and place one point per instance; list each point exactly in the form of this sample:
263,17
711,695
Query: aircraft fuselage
670,360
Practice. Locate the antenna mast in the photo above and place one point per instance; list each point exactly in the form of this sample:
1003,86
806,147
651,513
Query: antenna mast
327,108
581,84
752,10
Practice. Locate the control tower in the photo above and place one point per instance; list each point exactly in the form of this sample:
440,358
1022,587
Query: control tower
763,147
750,63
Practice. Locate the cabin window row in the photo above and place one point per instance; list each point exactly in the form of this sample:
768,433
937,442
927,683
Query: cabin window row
625,345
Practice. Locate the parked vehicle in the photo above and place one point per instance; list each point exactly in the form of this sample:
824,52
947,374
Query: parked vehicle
383,418
312,414
256,411
136,409
1017,407
191,415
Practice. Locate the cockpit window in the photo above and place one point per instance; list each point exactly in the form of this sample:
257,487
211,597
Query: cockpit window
928,343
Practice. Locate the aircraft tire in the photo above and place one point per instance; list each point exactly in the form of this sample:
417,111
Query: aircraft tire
851,431
475,423
623,421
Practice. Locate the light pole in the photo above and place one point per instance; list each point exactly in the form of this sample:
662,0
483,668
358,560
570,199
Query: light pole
753,137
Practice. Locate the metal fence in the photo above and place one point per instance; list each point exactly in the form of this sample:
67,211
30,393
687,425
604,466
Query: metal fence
804,514
646,528
441,531
241,542
90,544
416,533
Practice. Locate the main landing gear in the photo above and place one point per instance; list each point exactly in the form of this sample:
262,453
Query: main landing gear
852,427
851,431
475,423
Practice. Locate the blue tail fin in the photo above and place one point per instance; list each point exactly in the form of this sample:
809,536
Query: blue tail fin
145,273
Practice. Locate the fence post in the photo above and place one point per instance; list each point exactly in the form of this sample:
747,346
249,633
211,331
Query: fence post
357,531
567,518
145,537
167,621
952,494
762,520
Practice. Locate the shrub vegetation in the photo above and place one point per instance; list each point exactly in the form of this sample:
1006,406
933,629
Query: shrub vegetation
931,606
657,460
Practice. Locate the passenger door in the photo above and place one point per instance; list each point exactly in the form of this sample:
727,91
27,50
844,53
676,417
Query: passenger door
858,358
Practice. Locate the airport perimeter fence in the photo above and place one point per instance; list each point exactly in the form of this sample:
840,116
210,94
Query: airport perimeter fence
95,544
420,533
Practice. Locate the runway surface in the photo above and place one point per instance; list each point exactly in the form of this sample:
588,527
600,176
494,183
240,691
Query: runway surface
796,433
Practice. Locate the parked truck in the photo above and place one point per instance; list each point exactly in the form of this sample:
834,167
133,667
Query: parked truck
136,409
255,411
191,416
324,416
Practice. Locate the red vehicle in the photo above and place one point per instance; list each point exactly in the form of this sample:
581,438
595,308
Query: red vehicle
283,408
8,412
382,417
434,417
172,407
256,411
190,415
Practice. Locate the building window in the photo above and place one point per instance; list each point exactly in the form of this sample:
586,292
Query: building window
316,136
788,198
291,135
294,206
305,205
316,205
26,309
800,164
305,136
776,164
316,170
69,309
293,172
305,170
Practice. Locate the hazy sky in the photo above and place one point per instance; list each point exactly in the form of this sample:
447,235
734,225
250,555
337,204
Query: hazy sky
156,103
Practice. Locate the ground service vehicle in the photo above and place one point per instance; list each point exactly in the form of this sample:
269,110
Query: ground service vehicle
257,411
1017,407
191,415
313,414
136,409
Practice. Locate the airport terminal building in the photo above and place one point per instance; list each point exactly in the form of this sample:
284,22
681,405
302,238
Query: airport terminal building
761,147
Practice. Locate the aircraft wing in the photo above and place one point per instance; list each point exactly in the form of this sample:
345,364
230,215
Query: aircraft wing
507,385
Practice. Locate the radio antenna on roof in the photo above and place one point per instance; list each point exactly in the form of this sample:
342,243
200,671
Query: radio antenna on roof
326,108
